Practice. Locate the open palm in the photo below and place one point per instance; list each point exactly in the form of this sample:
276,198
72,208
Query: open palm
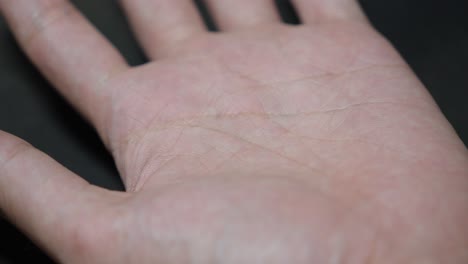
264,143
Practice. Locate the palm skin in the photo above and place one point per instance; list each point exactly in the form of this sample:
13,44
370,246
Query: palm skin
276,144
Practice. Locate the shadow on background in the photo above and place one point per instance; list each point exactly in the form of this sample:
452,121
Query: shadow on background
432,35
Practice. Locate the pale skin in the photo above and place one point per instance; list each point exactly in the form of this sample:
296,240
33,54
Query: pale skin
263,143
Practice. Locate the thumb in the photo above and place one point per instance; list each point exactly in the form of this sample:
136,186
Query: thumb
49,203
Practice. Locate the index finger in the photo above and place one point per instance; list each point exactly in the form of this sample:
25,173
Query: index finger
67,49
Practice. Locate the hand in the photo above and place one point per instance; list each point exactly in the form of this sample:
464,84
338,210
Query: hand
265,143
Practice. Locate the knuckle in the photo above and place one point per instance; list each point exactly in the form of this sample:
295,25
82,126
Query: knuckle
12,149
47,14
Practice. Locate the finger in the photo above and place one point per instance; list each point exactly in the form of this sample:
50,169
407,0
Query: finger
232,15
67,49
316,11
162,24
41,197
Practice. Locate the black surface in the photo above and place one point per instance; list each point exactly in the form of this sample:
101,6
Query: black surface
431,34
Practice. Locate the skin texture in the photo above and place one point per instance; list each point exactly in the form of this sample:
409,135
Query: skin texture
264,143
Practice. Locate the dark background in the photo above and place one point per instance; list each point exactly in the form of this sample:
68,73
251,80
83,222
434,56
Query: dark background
431,34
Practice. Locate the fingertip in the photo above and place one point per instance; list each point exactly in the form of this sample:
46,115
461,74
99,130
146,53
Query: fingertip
316,11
